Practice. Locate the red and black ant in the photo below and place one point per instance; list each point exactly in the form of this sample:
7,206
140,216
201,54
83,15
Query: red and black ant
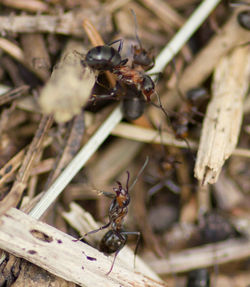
106,58
136,86
115,239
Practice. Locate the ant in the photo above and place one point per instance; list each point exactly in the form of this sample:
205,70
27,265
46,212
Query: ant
181,120
106,58
137,85
115,239
166,166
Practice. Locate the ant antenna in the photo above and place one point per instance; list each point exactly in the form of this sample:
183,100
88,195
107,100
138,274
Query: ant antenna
136,28
180,94
139,173
160,106
127,180
189,148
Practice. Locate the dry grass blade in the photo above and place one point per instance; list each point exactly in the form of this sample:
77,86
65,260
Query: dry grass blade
11,166
204,256
71,147
37,59
67,24
12,50
20,183
165,12
147,135
222,123
192,24
13,94
31,5
204,63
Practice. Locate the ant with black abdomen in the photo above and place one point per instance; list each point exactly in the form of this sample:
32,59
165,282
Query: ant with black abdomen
106,58
115,239
133,83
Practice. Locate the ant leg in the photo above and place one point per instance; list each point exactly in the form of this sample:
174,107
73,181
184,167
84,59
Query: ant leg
139,173
122,238
195,112
153,190
127,180
160,106
189,148
108,194
120,45
123,62
111,268
96,230
93,231
138,234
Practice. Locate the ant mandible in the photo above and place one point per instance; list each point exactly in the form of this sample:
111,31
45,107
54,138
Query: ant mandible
115,239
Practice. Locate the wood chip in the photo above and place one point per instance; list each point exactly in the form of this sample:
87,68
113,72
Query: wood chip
223,119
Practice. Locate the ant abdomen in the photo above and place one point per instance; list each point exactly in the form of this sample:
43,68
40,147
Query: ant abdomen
133,104
103,58
142,58
133,108
111,242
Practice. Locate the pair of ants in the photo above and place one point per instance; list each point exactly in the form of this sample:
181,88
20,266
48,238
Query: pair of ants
115,239
136,85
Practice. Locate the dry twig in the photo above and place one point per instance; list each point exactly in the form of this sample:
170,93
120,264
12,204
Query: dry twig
222,123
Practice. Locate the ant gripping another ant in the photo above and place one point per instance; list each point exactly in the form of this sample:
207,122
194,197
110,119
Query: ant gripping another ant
115,239
106,58
132,82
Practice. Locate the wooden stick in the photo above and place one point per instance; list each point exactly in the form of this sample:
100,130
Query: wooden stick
57,253
204,256
222,122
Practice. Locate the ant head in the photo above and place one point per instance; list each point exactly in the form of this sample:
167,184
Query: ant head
122,195
143,58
